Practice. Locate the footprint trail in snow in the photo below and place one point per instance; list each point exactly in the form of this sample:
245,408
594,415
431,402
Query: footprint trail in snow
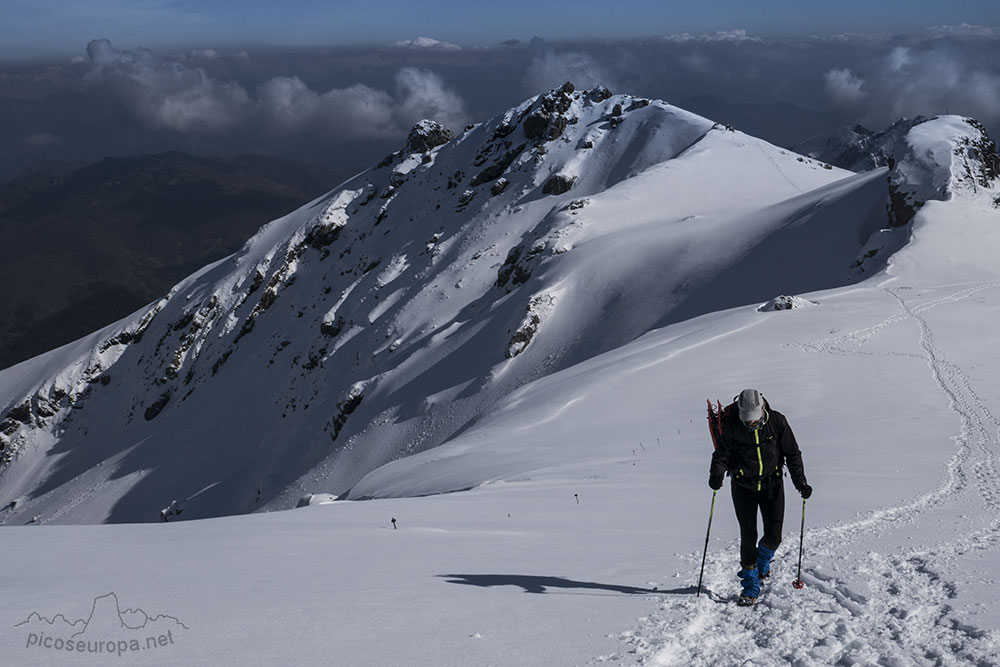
860,606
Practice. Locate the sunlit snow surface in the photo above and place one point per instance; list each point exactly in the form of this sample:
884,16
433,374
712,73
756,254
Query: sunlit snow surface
574,533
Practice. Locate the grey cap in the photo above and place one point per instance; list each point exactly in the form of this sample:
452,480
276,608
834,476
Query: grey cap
751,405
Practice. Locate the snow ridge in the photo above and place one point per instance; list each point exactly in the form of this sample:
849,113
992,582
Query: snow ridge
390,314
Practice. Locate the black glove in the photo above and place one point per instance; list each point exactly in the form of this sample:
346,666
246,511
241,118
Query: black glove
715,483
806,491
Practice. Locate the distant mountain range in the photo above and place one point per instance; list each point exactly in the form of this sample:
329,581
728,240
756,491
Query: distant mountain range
84,245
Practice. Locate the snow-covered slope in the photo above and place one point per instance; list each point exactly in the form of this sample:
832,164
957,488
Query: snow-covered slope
580,538
385,317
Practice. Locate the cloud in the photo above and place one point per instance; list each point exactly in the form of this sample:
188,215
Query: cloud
426,43
844,87
728,36
165,93
169,94
423,94
551,70
926,78
962,31
287,105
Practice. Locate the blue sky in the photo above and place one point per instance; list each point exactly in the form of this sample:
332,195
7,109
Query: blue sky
39,28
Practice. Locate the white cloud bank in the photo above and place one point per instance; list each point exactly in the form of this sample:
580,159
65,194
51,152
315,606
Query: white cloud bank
171,95
426,43
928,79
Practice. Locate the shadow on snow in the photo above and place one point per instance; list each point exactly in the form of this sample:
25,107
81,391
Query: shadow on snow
536,584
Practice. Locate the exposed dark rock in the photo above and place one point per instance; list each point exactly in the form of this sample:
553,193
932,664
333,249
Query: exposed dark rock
516,269
557,102
344,410
558,185
21,413
321,236
427,134
496,169
504,129
535,124
616,110
599,94
222,360
981,162
157,406
499,186
332,328
539,305
556,127
465,199
387,160
9,427
523,336
45,409
315,359
900,207
183,321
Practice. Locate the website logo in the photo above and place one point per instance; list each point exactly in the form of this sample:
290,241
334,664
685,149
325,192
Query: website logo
108,630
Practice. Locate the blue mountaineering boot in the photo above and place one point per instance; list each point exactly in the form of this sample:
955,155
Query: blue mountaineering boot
751,587
764,556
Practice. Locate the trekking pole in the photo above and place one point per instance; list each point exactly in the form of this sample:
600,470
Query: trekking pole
710,513
798,583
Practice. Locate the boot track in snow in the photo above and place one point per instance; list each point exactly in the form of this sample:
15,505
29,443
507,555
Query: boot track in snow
906,616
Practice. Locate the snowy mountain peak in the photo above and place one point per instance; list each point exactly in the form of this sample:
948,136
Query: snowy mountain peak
857,148
948,156
394,312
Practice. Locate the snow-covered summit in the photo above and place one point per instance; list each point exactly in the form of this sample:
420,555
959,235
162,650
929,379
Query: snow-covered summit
948,156
929,159
394,312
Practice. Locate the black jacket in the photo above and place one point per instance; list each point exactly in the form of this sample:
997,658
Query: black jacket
754,458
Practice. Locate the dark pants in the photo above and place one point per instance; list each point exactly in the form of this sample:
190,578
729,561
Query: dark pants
771,503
